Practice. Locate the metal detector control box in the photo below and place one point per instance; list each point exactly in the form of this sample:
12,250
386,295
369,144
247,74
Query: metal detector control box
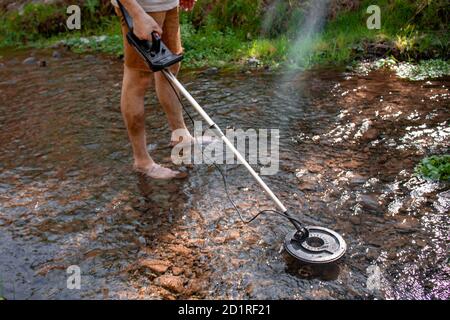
155,52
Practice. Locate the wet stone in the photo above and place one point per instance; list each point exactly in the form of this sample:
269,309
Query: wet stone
370,134
211,71
370,203
172,283
180,249
356,179
252,61
30,61
194,286
233,235
176,271
56,55
158,266
307,183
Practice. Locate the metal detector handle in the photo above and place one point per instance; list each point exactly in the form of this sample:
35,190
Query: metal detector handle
156,42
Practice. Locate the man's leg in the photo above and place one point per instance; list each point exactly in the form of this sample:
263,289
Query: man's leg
170,23
170,103
135,84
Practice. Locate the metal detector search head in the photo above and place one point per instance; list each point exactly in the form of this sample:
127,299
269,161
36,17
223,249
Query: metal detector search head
155,53
321,246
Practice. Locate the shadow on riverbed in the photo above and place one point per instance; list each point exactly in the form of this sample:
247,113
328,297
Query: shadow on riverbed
348,146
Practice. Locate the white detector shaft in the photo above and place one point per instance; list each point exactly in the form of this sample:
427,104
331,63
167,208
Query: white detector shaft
169,75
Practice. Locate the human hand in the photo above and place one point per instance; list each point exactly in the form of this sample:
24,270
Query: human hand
144,25
187,5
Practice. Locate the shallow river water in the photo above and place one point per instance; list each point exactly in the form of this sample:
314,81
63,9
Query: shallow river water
348,147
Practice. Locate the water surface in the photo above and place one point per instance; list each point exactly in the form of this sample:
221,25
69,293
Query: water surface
348,147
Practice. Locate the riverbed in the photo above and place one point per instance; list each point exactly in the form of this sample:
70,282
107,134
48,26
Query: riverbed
348,147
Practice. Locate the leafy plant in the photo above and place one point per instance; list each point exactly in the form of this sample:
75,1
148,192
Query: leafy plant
435,168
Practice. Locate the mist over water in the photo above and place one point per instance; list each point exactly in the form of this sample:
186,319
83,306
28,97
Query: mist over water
308,31
304,26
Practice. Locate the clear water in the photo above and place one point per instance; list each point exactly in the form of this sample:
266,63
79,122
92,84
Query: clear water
348,147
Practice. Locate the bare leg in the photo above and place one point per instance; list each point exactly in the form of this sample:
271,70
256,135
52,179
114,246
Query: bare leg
135,84
169,101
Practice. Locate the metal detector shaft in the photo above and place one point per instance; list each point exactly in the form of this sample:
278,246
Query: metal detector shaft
211,123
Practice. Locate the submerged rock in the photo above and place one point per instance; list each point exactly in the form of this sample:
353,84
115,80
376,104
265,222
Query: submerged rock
370,134
172,283
158,266
232,235
176,271
370,203
180,249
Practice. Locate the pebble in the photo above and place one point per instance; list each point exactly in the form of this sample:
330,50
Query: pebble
253,61
357,179
233,235
370,202
307,184
194,286
56,54
211,71
370,134
142,240
158,266
180,249
30,61
176,271
172,283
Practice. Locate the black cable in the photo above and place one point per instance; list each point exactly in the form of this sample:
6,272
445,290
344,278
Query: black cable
224,179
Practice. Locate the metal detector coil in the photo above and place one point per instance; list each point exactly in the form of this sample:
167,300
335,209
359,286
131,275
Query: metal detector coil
320,247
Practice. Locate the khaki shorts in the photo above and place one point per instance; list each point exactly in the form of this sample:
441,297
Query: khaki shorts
170,24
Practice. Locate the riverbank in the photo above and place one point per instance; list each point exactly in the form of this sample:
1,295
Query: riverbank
409,32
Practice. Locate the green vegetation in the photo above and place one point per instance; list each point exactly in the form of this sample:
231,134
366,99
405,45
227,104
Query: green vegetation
424,69
435,168
427,69
229,32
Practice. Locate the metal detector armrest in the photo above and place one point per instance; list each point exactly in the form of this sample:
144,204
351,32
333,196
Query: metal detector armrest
155,53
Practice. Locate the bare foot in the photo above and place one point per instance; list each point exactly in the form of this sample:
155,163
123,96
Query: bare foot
155,171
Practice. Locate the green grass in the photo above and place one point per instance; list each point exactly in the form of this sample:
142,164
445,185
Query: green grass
230,32
343,38
435,168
